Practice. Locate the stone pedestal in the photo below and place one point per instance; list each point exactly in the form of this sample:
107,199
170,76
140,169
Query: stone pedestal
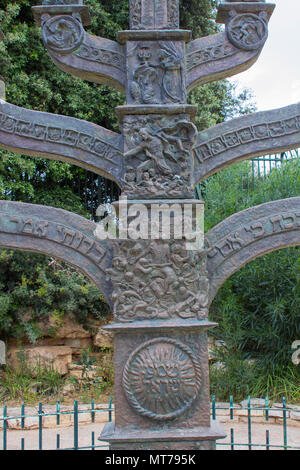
162,387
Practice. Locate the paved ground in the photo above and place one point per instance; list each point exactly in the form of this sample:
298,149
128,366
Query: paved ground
31,438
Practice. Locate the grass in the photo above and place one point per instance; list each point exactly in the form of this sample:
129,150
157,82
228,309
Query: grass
241,379
31,385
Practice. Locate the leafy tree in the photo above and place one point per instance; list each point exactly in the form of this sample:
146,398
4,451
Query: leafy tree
258,307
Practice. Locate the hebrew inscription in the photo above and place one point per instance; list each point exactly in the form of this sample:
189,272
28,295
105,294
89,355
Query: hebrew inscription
57,233
162,379
262,132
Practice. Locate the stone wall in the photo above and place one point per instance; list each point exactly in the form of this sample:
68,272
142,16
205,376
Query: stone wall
61,349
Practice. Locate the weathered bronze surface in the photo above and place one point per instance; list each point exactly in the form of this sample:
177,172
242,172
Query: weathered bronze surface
62,138
159,288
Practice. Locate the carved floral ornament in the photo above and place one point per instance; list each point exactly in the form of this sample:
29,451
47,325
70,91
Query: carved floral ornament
162,379
63,33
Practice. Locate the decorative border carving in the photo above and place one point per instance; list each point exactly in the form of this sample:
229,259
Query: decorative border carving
101,55
209,54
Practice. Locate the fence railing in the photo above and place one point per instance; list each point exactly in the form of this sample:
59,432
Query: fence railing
250,415
53,418
250,425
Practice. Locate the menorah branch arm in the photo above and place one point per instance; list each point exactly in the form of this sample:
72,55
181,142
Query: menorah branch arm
246,137
46,135
58,233
75,51
233,51
249,234
213,58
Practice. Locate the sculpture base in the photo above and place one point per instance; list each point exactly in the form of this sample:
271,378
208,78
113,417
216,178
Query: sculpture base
200,438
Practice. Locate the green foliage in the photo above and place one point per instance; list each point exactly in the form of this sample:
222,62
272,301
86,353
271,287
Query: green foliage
33,290
29,384
234,189
241,378
258,307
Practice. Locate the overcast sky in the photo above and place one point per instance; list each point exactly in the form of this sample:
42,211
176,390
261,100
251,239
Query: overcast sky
275,77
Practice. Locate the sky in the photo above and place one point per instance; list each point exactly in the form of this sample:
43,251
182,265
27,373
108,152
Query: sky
275,78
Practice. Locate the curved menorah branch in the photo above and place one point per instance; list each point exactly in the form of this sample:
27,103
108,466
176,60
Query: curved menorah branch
97,60
234,50
57,137
58,233
246,137
249,234
75,51
214,57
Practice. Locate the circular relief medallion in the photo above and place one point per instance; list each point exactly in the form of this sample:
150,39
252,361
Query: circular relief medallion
162,379
247,31
63,34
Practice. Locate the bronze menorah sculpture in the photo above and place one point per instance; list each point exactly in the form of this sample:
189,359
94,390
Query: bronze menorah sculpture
159,289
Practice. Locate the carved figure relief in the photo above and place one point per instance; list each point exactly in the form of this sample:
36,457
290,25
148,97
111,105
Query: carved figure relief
135,13
158,75
63,33
171,62
158,280
159,160
162,379
144,87
173,14
247,31
154,14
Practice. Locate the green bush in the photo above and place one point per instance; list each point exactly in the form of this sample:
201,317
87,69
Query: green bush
34,288
258,307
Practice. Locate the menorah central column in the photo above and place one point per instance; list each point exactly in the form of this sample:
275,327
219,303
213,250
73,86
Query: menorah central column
154,14
159,276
